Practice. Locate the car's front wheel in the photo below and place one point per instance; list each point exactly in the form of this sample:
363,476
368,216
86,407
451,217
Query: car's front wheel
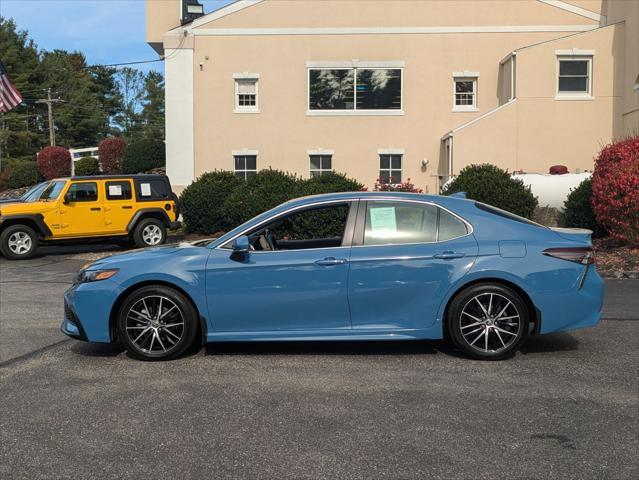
157,323
488,321
18,242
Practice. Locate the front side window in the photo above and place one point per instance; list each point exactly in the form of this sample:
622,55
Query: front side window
83,192
320,164
390,223
246,95
465,94
352,89
245,166
313,227
390,168
574,77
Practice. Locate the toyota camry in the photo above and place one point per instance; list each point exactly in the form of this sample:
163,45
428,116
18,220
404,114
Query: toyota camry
347,266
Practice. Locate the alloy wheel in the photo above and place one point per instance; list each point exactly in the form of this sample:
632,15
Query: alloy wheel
154,324
20,243
490,322
152,235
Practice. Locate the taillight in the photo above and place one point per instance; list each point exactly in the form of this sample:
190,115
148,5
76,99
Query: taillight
583,255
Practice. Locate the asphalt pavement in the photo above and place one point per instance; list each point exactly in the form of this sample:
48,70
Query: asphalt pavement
565,407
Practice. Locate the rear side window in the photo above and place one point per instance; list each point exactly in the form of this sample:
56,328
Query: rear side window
505,214
390,222
155,189
83,192
118,190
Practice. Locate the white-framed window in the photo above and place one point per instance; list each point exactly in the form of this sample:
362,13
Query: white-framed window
320,163
246,92
574,77
465,91
355,88
245,163
390,167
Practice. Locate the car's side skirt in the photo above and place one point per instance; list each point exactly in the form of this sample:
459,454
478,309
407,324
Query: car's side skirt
347,334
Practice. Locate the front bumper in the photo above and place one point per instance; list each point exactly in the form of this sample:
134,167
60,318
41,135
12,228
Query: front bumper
71,325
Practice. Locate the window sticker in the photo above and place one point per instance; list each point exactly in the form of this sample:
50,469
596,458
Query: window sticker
145,189
383,220
115,190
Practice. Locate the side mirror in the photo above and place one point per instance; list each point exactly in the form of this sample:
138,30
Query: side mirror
241,244
67,198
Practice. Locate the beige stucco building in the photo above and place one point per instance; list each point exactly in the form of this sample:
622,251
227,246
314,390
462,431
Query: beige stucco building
395,88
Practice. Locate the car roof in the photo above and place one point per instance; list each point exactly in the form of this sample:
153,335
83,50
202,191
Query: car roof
117,176
371,196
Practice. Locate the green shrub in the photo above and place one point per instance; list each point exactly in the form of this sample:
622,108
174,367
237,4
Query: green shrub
329,182
22,174
263,191
87,166
578,209
494,186
143,155
202,202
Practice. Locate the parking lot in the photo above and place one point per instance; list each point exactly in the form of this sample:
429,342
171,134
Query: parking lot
565,407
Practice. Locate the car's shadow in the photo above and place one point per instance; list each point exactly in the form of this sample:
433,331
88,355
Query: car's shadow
557,342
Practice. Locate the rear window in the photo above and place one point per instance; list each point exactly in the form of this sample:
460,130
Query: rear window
152,189
505,214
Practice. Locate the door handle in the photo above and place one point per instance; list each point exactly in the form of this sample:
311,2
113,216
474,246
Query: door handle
448,255
127,207
95,209
331,261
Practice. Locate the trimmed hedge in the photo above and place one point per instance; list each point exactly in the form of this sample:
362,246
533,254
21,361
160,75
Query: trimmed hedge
329,182
87,166
111,151
22,174
202,202
578,209
54,162
143,155
263,191
492,185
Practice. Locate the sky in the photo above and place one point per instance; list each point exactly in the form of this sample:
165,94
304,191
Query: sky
106,31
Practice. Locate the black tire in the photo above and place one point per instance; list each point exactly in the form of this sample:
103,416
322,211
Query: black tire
156,343
21,233
495,336
140,234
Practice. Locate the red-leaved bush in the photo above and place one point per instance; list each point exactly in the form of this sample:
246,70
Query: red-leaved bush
111,151
405,186
54,162
615,190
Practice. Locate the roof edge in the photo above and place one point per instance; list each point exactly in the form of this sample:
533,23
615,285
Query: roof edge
569,7
229,9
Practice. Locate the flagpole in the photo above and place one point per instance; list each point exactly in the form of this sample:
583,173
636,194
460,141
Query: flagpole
1,135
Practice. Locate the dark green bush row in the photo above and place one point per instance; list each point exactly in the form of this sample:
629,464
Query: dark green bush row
87,166
490,184
578,209
220,200
143,155
23,173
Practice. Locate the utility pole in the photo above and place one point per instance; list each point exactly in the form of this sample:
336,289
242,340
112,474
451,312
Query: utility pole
50,101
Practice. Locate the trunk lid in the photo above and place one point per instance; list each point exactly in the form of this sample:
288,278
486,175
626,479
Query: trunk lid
581,235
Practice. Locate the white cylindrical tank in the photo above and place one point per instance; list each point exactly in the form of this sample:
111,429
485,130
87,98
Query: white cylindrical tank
552,190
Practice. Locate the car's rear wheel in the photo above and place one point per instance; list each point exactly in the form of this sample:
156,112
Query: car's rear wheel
18,242
488,321
150,232
157,323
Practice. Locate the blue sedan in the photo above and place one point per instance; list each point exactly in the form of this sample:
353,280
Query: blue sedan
347,266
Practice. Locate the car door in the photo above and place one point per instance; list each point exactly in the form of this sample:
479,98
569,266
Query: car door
118,205
299,283
405,256
81,212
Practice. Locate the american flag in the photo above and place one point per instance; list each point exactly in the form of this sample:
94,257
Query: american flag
9,95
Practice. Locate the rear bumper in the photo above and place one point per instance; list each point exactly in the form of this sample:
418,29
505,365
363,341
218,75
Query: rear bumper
174,225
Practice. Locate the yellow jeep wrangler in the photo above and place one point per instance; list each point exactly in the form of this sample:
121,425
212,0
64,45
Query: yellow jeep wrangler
138,208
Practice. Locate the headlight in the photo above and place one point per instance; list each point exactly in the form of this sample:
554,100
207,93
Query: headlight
84,276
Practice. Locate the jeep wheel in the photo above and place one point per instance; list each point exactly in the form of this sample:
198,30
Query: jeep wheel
18,242
149,232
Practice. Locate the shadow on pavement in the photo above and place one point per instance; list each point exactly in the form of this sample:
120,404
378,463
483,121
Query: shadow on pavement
553,342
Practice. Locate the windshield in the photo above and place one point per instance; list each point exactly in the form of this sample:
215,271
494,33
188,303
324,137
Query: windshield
33,194
52,191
